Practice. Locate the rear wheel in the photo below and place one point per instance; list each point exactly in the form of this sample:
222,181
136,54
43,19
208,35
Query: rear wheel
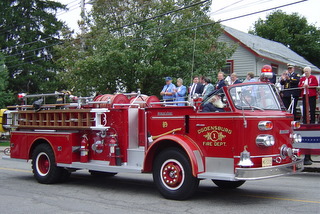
228,184
44,166
172,175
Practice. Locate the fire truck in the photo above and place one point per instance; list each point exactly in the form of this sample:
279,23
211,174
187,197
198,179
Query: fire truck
180,145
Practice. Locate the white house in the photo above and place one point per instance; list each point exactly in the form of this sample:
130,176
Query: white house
253,52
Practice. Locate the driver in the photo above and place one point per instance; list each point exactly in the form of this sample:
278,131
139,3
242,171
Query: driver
214,105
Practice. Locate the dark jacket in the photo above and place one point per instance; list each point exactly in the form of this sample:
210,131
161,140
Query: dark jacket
220,84
292,82
209,107
236,82
199,88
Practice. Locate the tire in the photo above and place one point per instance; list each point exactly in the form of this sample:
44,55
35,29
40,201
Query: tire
180,183
6,151
102,174
44,166
228,184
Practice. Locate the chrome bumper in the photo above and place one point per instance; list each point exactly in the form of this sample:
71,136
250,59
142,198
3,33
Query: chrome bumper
268,172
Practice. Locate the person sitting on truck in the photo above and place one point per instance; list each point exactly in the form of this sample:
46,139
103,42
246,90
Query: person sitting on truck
208,88
221,81
234,79
214,105
250,77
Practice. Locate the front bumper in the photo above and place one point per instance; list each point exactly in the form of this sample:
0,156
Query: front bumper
269,172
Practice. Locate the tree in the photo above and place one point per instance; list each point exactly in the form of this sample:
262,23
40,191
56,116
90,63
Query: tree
29,30
6,97
131,44
293,31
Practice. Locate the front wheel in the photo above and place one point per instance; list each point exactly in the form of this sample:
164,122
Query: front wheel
172,175
44,166
228,184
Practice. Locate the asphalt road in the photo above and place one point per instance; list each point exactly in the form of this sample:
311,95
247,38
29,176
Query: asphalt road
131,193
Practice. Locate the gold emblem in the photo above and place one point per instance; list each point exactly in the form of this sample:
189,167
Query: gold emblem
164,124
214,136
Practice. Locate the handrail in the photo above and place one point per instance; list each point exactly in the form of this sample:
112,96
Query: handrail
173,102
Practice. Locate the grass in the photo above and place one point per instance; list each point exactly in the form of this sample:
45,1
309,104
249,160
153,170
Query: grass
4,143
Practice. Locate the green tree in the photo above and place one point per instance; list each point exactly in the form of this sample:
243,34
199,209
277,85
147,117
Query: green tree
130,45
6,97
29,30
293,31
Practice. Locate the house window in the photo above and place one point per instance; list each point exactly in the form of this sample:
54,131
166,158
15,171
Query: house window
275,68
228,67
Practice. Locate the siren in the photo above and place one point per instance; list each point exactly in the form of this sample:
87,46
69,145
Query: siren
266,71
21,96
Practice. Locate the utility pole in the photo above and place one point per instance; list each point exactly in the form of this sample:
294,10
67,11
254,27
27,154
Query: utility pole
82,23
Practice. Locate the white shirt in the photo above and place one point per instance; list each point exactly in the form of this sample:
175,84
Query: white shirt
306,82
193,89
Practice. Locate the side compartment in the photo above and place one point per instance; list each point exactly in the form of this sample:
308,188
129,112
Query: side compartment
65,145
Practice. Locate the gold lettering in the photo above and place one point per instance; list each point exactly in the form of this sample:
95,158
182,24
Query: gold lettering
207,143
219,144
214,128
164,124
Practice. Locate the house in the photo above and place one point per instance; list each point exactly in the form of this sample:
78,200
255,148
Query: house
253,52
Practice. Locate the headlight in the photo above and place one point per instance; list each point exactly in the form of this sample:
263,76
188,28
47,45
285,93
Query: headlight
265,140
296,138
265,125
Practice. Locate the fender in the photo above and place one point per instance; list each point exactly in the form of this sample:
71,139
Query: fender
38,141
187,144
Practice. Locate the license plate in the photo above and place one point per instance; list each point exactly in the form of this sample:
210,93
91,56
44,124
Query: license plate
266,162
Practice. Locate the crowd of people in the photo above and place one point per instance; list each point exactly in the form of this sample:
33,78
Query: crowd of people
200,85
290,81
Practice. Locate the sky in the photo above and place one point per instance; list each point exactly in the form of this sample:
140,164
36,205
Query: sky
222,10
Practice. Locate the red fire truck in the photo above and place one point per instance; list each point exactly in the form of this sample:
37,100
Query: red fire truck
180,145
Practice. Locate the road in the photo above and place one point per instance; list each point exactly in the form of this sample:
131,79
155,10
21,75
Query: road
131,193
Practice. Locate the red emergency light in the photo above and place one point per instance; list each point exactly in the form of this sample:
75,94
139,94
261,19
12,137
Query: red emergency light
21,96
266,71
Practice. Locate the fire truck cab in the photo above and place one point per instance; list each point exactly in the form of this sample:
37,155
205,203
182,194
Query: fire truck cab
250,138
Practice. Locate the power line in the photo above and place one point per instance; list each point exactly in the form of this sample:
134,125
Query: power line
71,8
151,18
223,8
261,11
28,43
71,2
160,15
26,63
212,23
178,30
250,4
47,46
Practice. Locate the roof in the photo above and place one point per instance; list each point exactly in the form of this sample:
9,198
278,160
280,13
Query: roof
271,50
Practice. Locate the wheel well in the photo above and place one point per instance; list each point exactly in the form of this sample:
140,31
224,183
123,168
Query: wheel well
161,146
37,143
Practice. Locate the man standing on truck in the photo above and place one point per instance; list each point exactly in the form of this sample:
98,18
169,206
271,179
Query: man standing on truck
290,80
168,90
193,86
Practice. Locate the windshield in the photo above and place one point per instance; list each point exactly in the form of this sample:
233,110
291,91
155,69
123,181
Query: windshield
255,96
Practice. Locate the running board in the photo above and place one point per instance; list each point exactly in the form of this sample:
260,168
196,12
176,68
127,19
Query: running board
101,166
